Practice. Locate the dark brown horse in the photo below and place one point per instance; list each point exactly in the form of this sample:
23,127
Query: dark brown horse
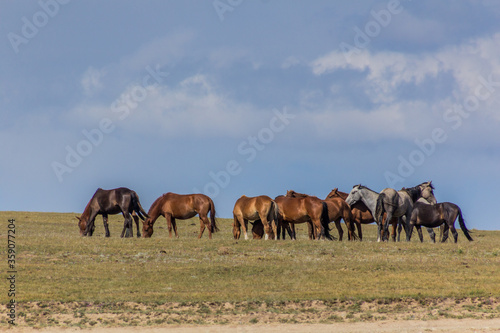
432,216
361,214
261,208
258,230
110,202
174,206
338,209
300,210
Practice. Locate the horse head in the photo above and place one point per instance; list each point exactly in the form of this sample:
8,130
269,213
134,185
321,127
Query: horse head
354,196
333,194
427,192
147,228
82,225
291,193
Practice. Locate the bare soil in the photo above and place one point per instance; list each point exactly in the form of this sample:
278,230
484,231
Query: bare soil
442,315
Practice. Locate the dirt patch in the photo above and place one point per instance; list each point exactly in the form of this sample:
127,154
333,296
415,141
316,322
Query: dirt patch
42,315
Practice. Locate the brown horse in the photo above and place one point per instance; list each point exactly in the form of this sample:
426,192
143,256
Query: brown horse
181,206
337,209
361,214
299,210
110,202
261,208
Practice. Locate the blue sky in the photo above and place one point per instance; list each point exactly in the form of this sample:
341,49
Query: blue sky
248,97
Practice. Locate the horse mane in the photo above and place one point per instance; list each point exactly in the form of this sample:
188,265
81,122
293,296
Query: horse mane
364,187
86,211
157,203
294,194
414,192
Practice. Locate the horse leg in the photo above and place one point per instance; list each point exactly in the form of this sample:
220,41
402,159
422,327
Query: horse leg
206,224
236,227
319,232
445,233
168,217
174,226
136,219
420,235
127,225
400,226
266,224
245,228
454,232
360,233
202,228
339,228
432,234
383,228
105,222
396,229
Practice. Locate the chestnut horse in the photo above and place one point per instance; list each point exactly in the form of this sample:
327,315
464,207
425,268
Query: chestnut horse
181,206
337,209
110,202
361,214
261,208
299,210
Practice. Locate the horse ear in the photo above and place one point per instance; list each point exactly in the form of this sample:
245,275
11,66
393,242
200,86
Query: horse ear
78,218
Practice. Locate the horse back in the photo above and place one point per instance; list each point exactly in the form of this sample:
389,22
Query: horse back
184,206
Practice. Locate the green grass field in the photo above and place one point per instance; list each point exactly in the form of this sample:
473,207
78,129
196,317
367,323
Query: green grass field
55,264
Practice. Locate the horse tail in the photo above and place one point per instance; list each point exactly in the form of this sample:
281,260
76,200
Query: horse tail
379,210
212,217
462,225
325,221
273,213
136,205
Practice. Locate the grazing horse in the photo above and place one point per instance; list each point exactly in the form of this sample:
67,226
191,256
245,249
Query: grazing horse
337,209
432,216
110,202
261,208
181,206
299,210
360,213
258,230
400,204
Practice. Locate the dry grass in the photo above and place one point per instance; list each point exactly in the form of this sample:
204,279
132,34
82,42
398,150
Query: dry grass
55,264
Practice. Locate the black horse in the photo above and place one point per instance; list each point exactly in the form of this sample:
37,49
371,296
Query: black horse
432,216
115,201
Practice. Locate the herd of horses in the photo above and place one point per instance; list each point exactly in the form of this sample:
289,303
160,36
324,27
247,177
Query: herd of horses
408,208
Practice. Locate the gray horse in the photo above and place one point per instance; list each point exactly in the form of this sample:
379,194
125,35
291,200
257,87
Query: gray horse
400,204
405,199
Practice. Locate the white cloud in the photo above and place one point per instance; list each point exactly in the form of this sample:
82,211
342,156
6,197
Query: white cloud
387,71
290,62
91,81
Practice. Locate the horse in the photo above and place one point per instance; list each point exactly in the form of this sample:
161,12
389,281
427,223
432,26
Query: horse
400,204
432,216
360,213
337,209
299,210
181,206
261,208
110,202
258,230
